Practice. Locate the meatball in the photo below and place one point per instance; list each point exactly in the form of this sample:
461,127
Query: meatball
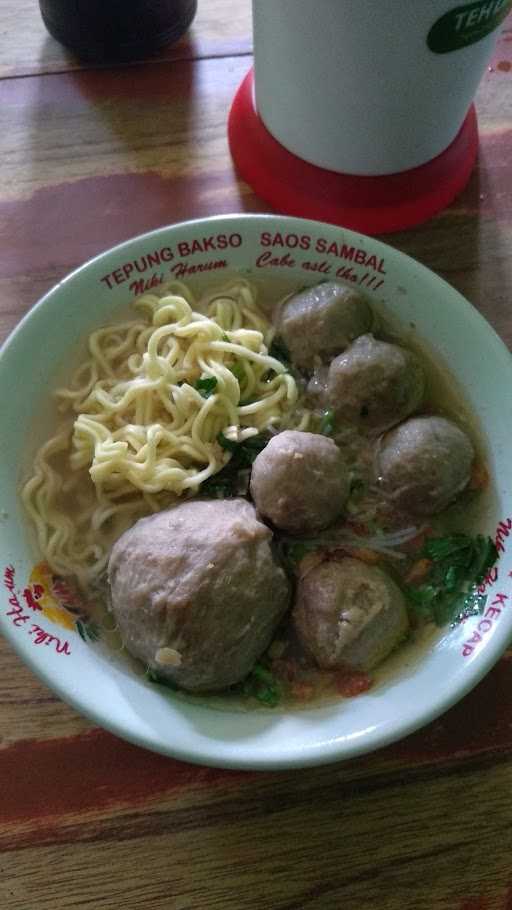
321,321
374,385
197,592
423,464
299,481
349,614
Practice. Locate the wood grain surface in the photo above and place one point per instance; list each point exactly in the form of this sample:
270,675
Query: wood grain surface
89,157
220,28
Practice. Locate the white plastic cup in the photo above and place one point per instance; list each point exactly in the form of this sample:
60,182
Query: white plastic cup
370,87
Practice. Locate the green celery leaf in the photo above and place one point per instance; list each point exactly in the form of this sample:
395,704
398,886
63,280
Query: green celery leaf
459,564
206,386
327,423
279,351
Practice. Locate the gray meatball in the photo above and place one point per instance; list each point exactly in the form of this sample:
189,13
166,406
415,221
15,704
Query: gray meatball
321,321
349,614
299,482
423,464
197,592
374,384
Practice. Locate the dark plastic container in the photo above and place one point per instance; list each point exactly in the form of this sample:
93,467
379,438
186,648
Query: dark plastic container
110,30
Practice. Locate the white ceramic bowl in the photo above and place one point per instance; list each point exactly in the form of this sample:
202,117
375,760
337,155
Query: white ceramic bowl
106,689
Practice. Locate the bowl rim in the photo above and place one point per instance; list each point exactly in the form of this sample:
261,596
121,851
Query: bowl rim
337,749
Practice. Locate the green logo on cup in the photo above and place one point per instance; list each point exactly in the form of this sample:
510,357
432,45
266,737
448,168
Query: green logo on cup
466,24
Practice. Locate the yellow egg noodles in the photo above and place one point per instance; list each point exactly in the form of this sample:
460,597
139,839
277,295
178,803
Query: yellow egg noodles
150,402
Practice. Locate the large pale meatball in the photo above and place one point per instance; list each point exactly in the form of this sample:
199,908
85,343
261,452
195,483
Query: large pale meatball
299,482
374,384
321,321
197,592
423,464
349,614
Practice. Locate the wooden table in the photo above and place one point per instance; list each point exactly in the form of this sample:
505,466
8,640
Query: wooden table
89,157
